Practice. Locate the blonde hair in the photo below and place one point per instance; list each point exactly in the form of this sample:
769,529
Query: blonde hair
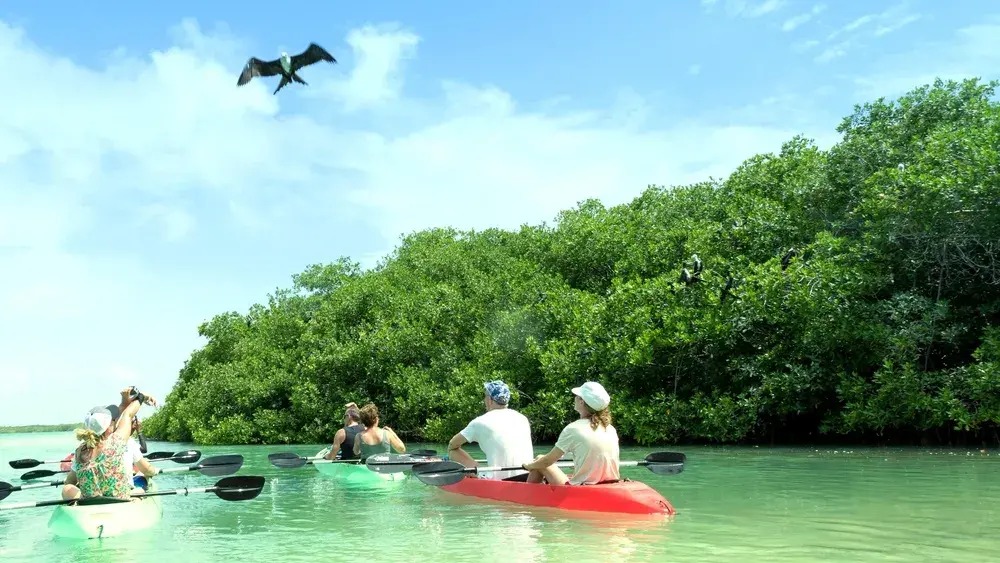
89,441
602,417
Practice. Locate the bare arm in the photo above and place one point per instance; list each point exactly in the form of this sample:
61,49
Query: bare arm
338,439
146,468
541,462
457,454
394,440
70,478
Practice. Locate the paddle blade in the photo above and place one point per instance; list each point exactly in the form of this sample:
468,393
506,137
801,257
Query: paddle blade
423,453
188,456
392,463
217,466
157,456
286,460
665,463
240,487
25,463
5,489
39,473
441,473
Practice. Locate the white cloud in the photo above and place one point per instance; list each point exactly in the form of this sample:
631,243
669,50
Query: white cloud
974,51
795,22
161,151
872,25
745,8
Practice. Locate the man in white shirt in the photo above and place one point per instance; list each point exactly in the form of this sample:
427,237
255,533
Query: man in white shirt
502,433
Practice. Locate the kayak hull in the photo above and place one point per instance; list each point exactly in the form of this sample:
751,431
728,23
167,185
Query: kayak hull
105,520
358,474
627,497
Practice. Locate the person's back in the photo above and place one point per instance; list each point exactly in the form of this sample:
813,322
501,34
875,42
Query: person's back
347,446
594,450
380,447
504,435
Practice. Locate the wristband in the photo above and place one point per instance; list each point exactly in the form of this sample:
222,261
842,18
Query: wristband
141,398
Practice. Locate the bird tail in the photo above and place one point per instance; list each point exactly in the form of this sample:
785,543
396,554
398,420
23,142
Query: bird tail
296,78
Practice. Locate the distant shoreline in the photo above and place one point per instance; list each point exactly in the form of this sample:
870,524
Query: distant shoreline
37,428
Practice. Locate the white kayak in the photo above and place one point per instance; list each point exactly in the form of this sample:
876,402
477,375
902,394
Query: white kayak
356,474
106,518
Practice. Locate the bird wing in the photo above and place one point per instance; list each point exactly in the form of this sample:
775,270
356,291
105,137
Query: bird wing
257,67
313,53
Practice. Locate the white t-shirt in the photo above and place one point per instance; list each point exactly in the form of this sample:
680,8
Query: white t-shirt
132,454
595,452
504,435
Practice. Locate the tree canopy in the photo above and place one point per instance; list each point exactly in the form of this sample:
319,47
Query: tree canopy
849,293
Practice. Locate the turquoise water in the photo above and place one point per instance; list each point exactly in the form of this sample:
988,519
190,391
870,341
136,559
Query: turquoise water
734,504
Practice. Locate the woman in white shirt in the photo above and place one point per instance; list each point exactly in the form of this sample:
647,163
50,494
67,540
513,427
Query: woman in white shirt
592,441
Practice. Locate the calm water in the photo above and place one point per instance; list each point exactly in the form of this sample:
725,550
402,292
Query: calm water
734,504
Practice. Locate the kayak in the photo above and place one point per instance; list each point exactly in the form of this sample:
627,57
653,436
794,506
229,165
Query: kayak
357,474
67,463
630,497
102,518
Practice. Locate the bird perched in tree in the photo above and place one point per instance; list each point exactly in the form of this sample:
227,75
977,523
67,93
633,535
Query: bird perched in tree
787,258
726,290
284,65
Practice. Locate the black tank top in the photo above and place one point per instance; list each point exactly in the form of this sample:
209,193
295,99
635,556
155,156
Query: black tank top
347,448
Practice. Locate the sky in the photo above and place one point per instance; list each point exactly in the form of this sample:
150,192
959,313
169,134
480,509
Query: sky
142,192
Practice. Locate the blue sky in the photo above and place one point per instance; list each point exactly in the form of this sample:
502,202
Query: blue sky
142,192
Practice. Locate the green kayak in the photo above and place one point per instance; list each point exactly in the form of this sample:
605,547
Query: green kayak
356,474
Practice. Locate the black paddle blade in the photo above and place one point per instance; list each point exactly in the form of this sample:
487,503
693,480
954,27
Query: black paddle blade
240,487
156,456
423,453
188,456
665,463
39,473
6,489
440,473
25,463
286,460
217,466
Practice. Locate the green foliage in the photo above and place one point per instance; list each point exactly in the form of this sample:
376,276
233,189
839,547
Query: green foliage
879,323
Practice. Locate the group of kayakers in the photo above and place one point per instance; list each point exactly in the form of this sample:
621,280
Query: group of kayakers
108,457
504,435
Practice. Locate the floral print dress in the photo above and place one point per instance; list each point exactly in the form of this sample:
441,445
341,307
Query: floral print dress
104,475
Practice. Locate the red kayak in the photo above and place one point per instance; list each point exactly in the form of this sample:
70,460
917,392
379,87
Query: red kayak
631,497
67,463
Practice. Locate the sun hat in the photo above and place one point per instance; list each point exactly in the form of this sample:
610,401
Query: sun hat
498,392
594,394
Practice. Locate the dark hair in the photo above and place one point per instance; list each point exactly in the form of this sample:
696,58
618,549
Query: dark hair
353,413
368,415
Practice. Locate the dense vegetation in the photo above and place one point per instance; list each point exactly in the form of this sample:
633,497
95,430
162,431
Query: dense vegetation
849,294
38,428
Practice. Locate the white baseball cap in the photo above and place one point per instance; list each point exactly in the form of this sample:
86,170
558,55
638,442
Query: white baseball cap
594,395
98,419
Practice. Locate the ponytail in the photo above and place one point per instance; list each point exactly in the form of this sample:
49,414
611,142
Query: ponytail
602,417
89,440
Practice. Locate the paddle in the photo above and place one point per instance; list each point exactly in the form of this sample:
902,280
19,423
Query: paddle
214,466
239,487
6,488
289,460
29,463
393,463
442,473
189,456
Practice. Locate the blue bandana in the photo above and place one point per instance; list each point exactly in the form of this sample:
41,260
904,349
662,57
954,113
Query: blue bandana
498,391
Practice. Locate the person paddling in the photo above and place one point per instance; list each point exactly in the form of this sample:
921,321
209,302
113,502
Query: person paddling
591,439
374,440
99,463
502,433
343,440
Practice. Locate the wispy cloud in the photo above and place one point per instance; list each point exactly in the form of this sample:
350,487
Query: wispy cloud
744,8
868,26
797,21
